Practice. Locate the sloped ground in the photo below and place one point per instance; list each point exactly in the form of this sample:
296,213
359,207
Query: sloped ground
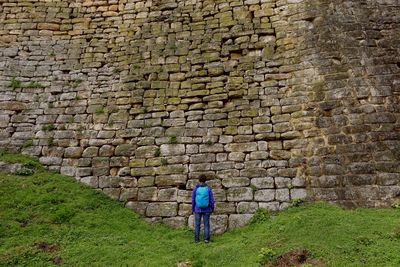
49,219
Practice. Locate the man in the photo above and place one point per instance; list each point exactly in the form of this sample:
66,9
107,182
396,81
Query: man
202,206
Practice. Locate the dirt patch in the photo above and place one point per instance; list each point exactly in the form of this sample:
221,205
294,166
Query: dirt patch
295,257
46,247
56,260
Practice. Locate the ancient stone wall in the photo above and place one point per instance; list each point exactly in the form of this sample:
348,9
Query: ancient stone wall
273,100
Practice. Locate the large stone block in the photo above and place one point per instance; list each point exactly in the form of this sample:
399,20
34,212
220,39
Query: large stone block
247,207
236,182
172,149
171,180
167,209
138,207
240,194
224,208
238,220
264,195
261,183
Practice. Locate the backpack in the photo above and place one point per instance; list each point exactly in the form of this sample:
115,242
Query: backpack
202,197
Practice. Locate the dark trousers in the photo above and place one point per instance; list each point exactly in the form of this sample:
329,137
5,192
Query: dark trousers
197,222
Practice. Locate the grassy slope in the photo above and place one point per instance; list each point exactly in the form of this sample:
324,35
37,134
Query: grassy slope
92,230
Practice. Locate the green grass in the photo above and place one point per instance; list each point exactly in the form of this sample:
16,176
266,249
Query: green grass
88,229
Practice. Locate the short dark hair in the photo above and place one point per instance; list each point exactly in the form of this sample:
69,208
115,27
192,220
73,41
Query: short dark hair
202,178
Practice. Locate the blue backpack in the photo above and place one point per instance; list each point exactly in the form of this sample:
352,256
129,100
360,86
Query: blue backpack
202,197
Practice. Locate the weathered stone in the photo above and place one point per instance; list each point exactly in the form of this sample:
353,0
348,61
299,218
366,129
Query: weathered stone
172,149
224,208
167,209
236,182
128,194
247,207
125,150
261,183
240,194
167,194
171,180
73,152
264,195
90,152
238,220
147,194
138,207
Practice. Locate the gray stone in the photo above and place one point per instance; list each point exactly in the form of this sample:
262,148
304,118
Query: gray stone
167,209
147,194
238,220
282,195
247,207
264,195
90,152
236,182
128,194
138,207
172,149
168,194
261,183
240,194
298,193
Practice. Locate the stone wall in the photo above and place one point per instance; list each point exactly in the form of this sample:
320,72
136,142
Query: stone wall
273,100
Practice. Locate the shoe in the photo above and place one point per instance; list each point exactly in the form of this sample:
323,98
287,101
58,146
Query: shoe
206,241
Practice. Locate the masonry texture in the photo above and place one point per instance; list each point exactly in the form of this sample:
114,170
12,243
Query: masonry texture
273,100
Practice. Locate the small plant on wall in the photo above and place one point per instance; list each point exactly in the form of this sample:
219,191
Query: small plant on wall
14,83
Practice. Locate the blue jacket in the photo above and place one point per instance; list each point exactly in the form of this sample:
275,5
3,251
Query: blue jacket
210,208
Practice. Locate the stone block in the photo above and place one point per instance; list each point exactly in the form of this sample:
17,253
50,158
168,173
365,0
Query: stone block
261,183
146,181
254,172
168,194
50,160
125,150
171,180
167,209
264,195
185,209
171,169
282,195
146,152
128,194
298,193
90,152
224,208
172,149
235,182
147,194
91,181
137,207
112,192
271,206
241,147
240,194
143,171
247,207
238,220
282,182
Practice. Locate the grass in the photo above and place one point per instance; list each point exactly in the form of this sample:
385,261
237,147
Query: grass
85,228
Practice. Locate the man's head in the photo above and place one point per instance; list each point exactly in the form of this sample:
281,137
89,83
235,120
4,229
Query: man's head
202,178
